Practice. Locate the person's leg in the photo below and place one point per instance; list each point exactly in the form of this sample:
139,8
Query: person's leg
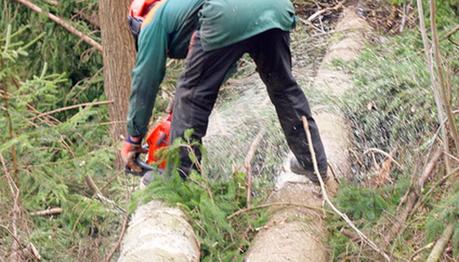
273,59
197,91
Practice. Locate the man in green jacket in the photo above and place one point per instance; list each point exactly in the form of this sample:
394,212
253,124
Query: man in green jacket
214,35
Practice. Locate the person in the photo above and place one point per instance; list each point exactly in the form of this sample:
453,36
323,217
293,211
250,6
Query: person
214,35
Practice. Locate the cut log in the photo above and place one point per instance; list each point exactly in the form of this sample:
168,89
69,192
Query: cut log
158,232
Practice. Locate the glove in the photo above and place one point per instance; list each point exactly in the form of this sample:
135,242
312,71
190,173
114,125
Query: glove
132,147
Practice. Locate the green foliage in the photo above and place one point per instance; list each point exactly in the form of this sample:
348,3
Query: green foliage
62,51
367,204
208,203
49,157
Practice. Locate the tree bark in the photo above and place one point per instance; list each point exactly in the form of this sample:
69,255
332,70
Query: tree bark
119,56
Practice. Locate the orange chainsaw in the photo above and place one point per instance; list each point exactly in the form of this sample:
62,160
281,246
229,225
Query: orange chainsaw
157,139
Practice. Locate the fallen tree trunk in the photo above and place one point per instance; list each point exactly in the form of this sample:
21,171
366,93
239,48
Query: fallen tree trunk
295,233
158,232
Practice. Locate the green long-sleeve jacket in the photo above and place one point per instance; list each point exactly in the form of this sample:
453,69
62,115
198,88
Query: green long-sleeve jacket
167,31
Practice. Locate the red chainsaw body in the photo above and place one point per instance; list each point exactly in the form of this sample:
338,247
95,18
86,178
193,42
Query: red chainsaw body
157,139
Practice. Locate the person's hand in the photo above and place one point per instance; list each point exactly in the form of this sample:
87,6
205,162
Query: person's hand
131,148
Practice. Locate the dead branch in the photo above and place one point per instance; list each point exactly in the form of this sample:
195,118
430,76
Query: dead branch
351,235
48,212
451,32
120,239
12,235
439,183
284,204
442,75
441,115
417,252
362,236
64,24
428,170
406,7
437,250
90,182
72,107
322,11
411,198
15,246
385,154
248,163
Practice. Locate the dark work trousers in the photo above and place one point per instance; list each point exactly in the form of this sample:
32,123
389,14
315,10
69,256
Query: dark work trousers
205,72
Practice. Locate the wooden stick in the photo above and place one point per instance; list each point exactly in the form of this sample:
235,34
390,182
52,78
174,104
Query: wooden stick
48,212
64,24
437,250
72,107
248,209
362,236
248,164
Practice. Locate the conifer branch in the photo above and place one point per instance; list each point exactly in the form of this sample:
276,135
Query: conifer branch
64,24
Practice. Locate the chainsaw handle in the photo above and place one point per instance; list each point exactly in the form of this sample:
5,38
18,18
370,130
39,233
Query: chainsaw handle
140,163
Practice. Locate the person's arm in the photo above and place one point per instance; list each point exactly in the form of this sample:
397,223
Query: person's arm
146,78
